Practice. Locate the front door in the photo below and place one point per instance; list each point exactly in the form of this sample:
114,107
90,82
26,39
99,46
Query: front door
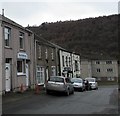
27,75
7,77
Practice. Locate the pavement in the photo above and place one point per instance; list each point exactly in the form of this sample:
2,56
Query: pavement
14,96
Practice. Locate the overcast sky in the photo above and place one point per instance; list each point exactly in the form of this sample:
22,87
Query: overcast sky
36,12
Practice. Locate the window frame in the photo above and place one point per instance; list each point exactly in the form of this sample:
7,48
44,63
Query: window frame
21,37
41,77
8,35
23,67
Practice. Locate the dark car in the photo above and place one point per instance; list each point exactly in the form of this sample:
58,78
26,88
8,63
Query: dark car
59,84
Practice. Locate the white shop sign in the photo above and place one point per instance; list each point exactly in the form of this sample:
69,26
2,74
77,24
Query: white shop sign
22,55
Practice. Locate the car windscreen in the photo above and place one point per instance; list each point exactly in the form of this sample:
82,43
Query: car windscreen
56,79
91,80
76,80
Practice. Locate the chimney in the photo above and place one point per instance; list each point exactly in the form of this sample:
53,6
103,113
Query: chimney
2,12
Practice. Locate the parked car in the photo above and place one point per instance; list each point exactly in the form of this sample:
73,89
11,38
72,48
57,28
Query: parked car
87,85
78,84
93,82
59,84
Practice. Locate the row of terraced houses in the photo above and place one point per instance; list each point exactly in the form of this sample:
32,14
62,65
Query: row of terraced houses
27,59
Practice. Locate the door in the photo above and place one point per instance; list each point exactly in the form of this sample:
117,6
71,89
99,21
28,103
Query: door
46,74
27,75
7,77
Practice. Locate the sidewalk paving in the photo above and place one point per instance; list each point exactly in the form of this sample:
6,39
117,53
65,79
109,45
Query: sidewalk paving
14,96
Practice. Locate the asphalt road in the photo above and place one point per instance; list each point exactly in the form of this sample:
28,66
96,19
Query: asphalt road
101,101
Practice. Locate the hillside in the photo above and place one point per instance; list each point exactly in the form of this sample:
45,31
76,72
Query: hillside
91,37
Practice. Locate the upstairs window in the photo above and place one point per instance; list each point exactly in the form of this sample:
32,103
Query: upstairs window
52,55
39,51
97,70
46,54
97,62
108,62
63,62
109,70
7,32
21,40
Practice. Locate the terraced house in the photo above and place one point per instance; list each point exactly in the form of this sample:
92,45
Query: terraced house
17,56
27,59
45,60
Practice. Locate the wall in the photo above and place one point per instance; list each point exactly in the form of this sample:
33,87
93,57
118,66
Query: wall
1,37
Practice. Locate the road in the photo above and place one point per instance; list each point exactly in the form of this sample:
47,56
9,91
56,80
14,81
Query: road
101,101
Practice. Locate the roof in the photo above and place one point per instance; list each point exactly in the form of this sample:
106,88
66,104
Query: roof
11,22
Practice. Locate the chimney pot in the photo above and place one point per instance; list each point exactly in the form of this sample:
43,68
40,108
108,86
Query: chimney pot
3,12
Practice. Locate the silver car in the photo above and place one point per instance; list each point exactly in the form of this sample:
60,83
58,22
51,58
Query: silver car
93,82
59,84
78,84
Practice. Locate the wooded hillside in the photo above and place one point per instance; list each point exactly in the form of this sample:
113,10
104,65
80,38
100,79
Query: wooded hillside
91,37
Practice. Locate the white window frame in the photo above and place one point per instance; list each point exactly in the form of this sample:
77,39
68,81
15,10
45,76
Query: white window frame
39,51
109,70
7,34
46,53
53,71
97,62
98,70
23,72
52,55
109,62
21,36
40,75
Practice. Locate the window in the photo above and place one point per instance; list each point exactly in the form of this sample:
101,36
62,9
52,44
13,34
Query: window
109,70
97,70
52,55
21,40
21,66
97,62
40,75
39,52
76,66
63,61
46,54
110,78
53,70
69,61
7,32
108,62
66,61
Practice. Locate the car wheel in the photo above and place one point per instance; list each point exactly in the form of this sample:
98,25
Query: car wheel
47,91
68,92
72,91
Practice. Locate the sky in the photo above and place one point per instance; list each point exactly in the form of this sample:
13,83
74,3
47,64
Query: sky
36,12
